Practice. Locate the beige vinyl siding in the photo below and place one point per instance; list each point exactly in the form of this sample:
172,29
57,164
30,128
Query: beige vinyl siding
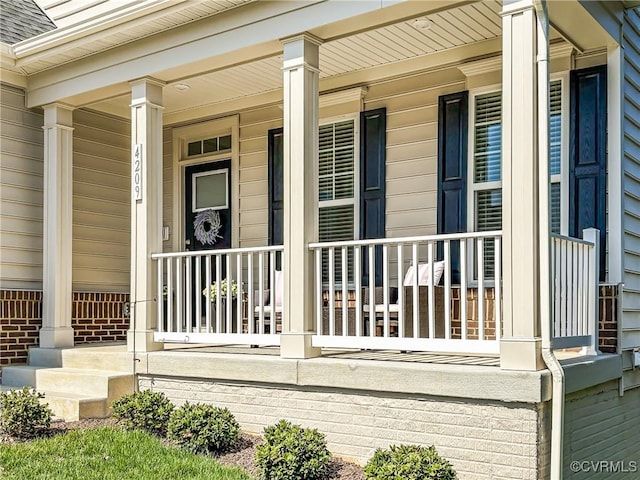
412,147
630,325
21,187
253,175
101,202
601,425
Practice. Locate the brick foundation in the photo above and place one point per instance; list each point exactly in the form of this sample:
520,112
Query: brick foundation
96,317
608,324
20,321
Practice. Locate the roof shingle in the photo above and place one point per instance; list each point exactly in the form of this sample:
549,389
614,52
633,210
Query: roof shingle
22,19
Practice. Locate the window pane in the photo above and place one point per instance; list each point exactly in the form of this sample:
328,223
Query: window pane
224,143
194,148
210,145
554,193
555,129
336,224
211,190
488,217
488,138
336,161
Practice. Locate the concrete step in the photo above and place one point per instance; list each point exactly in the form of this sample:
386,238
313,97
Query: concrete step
94,383
72,406
103,357
20,376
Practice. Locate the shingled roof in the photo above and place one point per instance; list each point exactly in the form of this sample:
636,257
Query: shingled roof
22,19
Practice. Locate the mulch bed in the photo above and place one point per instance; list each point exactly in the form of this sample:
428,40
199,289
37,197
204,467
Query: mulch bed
243,455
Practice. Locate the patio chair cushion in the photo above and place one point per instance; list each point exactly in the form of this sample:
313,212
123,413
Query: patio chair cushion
424,274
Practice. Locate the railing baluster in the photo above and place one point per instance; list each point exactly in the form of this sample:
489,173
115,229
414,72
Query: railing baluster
187,295
261,292
170,319
207,305
431,291
332,285
318,255
480,243
197,293
447,289
400,314
385,291
179,310
497,291
463,289
372,291
563,289
416,291
239,298
576,283
345,300
272,295
229,298
218,294
160,297
250,293
358,281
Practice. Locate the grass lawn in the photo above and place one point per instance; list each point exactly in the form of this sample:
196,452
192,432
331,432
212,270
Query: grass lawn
107,453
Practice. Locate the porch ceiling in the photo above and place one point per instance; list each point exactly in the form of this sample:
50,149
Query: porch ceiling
388,45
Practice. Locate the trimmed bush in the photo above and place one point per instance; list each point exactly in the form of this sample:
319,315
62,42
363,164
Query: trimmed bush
146,410
202,428
22,415
409,462
290,452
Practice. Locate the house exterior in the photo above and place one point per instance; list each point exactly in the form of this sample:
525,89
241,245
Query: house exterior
467,170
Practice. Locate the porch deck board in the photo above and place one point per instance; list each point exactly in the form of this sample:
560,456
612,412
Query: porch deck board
380,355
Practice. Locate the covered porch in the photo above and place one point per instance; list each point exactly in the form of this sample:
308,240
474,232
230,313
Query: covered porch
363,186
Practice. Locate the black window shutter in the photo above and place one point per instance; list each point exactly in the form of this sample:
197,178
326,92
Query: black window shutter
453,113
588,155
373,153
276,189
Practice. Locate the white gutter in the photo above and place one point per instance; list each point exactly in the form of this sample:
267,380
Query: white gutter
552,363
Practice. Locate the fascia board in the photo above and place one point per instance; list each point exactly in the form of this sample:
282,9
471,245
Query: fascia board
241,29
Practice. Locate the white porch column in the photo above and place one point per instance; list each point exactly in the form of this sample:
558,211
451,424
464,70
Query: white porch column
146,210
301,78
520,347
56,331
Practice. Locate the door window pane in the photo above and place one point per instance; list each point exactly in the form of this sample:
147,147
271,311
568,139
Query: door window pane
210,190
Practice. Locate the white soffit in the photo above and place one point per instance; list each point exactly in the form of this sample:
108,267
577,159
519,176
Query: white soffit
394,43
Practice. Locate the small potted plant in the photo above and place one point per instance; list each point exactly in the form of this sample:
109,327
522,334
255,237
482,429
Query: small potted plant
227,289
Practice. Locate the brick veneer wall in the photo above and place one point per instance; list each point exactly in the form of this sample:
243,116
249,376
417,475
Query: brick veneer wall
96,317
483,439
20,321
608,324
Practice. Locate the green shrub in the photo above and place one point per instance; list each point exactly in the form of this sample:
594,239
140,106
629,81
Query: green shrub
408,462
22,415
290,452
145,410
202,428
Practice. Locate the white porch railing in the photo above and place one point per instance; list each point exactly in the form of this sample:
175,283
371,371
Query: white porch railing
575,273
195,307
461,313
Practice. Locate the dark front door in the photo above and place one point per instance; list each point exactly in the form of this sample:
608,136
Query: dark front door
208,206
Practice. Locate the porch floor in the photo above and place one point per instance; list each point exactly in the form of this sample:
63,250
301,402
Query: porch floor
380,355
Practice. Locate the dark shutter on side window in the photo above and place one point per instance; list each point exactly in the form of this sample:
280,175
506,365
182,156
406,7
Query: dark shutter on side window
276,187
587,155
373,149
453,113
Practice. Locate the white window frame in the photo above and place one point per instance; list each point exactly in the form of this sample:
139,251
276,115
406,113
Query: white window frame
472,187
355,201
194,177
563,177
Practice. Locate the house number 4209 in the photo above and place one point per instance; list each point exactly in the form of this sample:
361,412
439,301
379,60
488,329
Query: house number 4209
136,173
